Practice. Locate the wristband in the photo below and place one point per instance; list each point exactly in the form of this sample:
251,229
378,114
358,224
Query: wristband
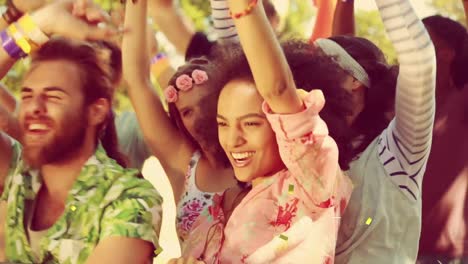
10,46
19,38
158,68
32,30
158,57
12,13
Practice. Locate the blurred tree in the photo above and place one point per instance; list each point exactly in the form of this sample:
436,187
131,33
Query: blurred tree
449,8
198,11
298,20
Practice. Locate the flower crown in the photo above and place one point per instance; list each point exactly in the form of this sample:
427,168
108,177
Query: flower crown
184,83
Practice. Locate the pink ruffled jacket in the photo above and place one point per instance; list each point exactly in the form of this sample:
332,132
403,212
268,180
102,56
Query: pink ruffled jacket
292,216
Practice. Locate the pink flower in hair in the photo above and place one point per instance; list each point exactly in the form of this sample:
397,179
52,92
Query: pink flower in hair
184,82
171,94
199,76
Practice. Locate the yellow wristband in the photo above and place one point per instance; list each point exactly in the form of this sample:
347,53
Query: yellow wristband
159,67
32,30
282,244
19,38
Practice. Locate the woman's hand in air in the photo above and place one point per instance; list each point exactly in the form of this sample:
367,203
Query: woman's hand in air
28,5
79,19
117,19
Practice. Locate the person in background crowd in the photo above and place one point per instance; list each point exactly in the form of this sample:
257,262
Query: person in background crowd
444,220
383,221
66,180
185,143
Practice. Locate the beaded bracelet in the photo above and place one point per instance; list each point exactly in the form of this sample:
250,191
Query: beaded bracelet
246,11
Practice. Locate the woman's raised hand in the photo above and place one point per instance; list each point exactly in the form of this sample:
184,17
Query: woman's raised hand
79,19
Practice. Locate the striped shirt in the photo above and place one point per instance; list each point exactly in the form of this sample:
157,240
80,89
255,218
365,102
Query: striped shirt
382,223
222,22
404,146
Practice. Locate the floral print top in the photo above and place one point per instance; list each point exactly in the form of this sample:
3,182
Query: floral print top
290,217
193,201
105,200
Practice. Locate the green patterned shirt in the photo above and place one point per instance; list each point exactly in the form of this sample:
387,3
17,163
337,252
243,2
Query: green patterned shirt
105,200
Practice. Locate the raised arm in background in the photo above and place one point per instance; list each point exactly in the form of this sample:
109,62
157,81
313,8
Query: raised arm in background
324,20
178,29
343,20
172,22
409,135
272,75
163,138
161,68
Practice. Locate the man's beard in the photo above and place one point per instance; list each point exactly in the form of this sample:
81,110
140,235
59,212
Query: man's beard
69,138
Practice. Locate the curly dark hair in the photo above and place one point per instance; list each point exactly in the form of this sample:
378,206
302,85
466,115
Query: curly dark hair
379,98
311,70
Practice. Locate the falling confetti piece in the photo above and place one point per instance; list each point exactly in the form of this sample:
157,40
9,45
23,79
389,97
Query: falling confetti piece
291,189
73,208
158,251
368,221
283,245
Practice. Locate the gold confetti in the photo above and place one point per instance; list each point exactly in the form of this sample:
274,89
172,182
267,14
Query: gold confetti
291,189
158,251
73,208
368,221
283,245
